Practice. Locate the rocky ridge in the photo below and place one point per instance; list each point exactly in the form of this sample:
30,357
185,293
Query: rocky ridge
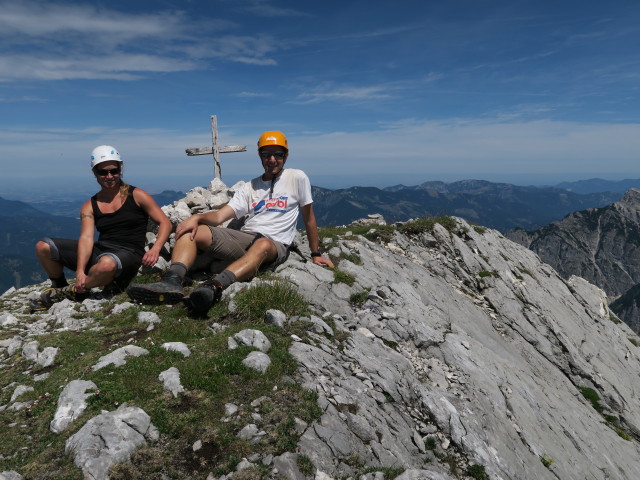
442,353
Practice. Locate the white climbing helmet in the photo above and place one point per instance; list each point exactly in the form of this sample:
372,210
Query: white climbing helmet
104,153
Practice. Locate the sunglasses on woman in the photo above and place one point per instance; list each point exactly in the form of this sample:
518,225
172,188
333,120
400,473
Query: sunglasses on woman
103,172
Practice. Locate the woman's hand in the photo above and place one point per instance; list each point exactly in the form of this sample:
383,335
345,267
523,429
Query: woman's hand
150,258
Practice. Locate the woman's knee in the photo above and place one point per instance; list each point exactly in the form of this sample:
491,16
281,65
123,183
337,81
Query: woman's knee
43,249
106,264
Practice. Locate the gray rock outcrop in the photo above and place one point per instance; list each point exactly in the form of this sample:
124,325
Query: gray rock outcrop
488,353
601,245
71,403
108,439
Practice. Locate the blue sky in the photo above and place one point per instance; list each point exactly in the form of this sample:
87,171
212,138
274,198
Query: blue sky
369,93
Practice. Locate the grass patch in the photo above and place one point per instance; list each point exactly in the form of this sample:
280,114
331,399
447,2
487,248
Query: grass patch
546,460
486,273
359,298
342,277
634,342
254,302
305,465
212,375
479,229
430,443
525,271
614,319
478,472
426,225
593,397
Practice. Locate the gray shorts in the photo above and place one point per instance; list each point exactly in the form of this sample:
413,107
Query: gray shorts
229,244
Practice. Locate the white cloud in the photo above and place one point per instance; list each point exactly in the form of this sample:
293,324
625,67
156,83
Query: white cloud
334,93
413,149
47,41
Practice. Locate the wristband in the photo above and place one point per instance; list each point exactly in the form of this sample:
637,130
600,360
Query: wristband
316,254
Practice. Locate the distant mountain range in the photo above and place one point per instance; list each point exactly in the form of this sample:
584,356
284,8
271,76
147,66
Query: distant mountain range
497,205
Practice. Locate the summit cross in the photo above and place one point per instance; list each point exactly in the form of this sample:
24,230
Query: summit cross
215,149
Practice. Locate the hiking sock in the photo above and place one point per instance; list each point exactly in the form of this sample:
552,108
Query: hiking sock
58,282
179,269
226,278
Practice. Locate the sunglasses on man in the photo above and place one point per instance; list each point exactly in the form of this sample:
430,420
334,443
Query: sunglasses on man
267,154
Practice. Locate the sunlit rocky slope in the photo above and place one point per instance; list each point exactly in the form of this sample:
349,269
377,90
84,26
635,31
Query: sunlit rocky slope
434,351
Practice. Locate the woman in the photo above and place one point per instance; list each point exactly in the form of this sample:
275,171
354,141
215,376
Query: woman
120,213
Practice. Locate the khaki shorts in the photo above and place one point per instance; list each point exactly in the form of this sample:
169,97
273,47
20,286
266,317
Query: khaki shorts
228,245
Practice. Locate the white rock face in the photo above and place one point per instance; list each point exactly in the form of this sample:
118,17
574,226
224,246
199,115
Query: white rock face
170,379
71,403
258,361
118,357
109,438
253,338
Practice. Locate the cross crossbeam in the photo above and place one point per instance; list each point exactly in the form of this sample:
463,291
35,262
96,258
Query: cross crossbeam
215,149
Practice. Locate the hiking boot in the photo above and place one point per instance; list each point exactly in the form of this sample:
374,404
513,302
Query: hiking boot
54,295
204,297
167,291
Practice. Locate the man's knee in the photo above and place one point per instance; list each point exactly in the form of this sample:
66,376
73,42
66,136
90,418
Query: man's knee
265,248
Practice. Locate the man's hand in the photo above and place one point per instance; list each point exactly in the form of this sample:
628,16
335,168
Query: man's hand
81,280
190,225
322,261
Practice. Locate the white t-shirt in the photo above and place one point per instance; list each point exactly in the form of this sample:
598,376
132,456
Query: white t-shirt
273,215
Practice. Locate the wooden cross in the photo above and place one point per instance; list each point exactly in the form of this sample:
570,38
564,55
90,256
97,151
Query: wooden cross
215,149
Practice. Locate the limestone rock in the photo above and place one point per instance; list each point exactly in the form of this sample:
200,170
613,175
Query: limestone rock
109,438
71,403
118,357
170,378
258,361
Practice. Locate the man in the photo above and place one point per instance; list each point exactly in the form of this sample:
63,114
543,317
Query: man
271,203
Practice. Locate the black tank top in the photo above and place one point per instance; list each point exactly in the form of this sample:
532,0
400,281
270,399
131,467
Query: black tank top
126,227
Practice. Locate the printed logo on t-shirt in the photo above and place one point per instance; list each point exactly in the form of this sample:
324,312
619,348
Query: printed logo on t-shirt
271,205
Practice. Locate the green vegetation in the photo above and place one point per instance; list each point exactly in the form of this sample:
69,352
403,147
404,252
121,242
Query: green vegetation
478,472
614,319
305,465
524,270
342,277
634,341
358,299
485,273
479,229
213,375
384,233
425,225
593,397
546,460
254,302
430,443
